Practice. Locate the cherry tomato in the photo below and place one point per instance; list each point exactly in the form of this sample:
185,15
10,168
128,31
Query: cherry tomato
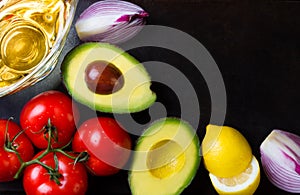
73,179
107,143
9,162
53,106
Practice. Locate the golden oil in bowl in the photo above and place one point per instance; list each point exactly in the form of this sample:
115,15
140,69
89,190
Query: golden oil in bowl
29,30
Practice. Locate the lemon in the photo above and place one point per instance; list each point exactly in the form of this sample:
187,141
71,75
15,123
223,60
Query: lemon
245,183
226,152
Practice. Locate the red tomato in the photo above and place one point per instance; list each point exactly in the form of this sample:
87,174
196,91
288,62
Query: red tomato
54,106
107,143
73,180
9,162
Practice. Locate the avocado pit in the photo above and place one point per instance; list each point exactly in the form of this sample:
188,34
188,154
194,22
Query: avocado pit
165,158
102,77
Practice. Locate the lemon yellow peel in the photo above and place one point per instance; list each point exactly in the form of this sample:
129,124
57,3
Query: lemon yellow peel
226,152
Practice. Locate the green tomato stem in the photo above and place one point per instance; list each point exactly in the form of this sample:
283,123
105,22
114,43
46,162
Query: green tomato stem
53,172
8,145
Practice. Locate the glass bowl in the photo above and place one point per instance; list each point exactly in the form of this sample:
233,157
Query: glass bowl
29,51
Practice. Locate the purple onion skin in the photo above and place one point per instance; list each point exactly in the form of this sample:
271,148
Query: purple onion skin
129,18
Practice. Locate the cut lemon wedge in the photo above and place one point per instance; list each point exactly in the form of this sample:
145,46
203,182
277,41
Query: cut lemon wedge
245,183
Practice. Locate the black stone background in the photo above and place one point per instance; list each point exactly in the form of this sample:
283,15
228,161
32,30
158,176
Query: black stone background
256,46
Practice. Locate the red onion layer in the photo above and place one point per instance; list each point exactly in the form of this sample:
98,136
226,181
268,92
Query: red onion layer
111,21
280,158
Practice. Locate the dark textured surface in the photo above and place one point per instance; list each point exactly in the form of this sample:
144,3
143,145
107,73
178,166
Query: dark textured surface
257,49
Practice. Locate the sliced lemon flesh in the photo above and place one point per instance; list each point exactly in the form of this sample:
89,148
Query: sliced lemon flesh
245,183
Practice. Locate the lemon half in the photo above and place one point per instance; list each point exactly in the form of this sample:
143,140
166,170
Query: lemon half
226,152
245,183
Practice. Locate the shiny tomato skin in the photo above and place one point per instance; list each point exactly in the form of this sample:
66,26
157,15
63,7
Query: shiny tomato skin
57,107
74,180
9,162
107,143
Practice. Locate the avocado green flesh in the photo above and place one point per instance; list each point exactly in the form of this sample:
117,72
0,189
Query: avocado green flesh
166,158
134,96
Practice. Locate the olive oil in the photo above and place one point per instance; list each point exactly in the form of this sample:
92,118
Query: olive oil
28,31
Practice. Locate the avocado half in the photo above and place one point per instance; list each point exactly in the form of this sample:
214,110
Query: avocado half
133,96
166,158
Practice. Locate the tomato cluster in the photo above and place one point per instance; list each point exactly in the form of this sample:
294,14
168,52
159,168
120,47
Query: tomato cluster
53,153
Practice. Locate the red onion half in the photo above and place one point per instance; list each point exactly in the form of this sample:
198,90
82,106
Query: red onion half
280,158
111,21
